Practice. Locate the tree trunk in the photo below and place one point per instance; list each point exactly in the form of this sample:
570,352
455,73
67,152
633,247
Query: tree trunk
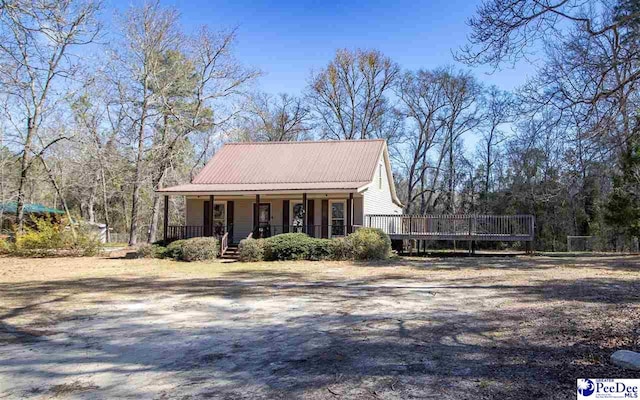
91,204
155,210
157,180
105,206
24,165
133,232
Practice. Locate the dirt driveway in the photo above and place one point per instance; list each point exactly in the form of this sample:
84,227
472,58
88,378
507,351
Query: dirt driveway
466,328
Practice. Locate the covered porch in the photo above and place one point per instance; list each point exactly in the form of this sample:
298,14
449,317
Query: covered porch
236,216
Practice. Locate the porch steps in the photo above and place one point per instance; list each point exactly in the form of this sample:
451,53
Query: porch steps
231,253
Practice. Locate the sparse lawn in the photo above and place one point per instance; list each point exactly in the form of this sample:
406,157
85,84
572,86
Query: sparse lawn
451,328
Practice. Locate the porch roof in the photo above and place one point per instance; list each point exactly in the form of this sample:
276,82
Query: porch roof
196,188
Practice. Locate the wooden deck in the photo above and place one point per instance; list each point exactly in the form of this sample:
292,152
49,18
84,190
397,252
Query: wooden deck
503,228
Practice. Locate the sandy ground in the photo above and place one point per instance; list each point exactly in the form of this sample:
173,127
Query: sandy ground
451,328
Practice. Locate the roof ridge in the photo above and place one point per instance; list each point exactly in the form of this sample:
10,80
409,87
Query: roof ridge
307,141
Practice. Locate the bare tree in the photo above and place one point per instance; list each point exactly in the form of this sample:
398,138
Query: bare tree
37,44
498,110
149,32
422,99
461,92
196,91
598,38
349,95
276,118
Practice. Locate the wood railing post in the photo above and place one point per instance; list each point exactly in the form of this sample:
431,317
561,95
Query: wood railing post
305,218
166,219
350,214
212,208
256,217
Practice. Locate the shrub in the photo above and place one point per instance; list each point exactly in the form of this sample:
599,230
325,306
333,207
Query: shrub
174,249
150,251
251,250
48,236
5,246
369,244
287,246
340,249
199,249
86,242
321,249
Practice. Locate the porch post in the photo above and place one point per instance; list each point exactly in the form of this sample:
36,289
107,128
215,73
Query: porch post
212,207
166,219
350,214
256,218
305,218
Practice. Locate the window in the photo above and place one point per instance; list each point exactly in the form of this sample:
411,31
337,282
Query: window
380,177
219,217
337,218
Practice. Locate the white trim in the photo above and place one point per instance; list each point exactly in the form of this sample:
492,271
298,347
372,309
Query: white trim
330,221
298,192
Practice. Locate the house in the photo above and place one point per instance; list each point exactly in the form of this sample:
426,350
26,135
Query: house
322,188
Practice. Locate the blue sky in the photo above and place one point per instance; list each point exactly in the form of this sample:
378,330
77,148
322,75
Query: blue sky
287,39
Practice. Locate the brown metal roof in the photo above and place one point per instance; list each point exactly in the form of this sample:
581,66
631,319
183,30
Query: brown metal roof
288,166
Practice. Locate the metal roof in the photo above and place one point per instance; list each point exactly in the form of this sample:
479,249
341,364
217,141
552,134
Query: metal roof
270,166
12,208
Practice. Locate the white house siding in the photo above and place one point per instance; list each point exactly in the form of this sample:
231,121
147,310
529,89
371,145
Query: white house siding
243,212
195,212
378,200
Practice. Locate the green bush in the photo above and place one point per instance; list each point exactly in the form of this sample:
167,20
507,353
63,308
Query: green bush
197,249
50,237
174,249
150,251
364,244
287,246
369,244
321,249
251,250
6,247
340,249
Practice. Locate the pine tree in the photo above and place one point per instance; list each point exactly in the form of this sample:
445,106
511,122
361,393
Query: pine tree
623,206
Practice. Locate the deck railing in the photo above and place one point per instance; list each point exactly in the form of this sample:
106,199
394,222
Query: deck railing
456,227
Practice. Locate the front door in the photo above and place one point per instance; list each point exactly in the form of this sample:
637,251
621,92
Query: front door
338,218
264,219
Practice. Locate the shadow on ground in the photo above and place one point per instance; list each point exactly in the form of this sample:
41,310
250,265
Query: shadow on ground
279,335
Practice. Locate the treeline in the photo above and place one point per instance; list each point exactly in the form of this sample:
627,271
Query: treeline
95,118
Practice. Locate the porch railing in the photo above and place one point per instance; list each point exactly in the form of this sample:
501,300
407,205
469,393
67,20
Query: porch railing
453,227
177,232
224,243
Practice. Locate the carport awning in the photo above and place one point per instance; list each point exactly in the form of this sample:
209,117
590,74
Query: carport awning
12,208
